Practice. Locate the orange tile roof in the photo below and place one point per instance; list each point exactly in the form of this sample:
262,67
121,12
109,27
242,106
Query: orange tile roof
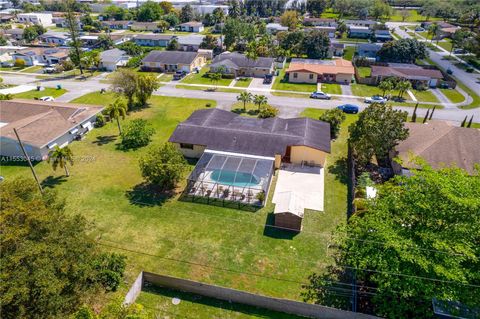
338,66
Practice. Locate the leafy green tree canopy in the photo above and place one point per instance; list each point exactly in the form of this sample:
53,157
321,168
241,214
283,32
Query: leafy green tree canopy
335,118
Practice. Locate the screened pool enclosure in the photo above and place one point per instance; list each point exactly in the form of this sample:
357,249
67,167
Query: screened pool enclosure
222,177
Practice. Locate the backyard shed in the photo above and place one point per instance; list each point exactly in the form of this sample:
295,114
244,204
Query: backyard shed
289,210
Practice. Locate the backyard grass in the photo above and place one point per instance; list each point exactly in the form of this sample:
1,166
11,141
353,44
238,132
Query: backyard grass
331,88
281,84
32,69
364,90
364,71
202,78
161,234
414,16
206,88
424,96
243,82
453,95
38,94
349,52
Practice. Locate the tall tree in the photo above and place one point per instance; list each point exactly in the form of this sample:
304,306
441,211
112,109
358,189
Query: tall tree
245,97
260,100
335,118
234,8
125,81
402,87
146,85
116,110
149,11
289,19
74,33
403,51
386,86
60,157
316,44
187,14
166,6
316,7
378,130
433,31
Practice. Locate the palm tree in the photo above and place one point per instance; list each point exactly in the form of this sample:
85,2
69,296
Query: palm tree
260,100
433,30
385,86
245,97
60,157
116,110
215,77
402,87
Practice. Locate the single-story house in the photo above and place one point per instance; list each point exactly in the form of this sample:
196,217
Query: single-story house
294,140
41,56
190,42
362,23
239,65
153,40
15,33
320,22
110,60
289,210
144,26
368,50
273,28
117,25
313,71
42,126
173,61
446,29
207,53
43,19
420,77
359,32
6,18
330,31
336,49
192,26
56,38
438,143
382,35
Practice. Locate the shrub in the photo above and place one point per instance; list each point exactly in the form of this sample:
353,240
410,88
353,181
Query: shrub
110,269
163,166
268,111
100,121
136,134
260,196
335,118
135,61
19,63
67,65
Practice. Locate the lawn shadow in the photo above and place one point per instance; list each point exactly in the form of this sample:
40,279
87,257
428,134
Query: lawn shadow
52,181
271,231
105,139
339,169
148,195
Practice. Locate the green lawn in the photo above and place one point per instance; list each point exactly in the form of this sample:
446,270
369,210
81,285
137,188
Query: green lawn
12,68
206,88
223,246
32,69
349,52
453,95
414,16
243,82
364,90
281,84
424,96
331,88
202,78
38,94
445,44
364,71
297,95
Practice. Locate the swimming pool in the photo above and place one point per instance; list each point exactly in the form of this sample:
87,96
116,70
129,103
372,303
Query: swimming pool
228,178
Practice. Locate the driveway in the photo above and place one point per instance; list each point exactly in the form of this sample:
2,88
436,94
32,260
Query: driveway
257,83
18,89
307,182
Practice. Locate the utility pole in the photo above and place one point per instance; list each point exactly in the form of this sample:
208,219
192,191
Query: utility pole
28,160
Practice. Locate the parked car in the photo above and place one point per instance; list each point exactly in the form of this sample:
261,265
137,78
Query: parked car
349,108
267,79
47,98
179,75
449,71
419,29
459,51
49,70
320,95
375,99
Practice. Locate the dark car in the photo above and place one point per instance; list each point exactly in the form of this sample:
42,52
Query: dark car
179,75
267,79
349,108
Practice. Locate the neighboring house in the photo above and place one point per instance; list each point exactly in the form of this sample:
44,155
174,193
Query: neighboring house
91,40
273,28
43,19
359,32
153,40
61,22
330,31
382,35
420,77
41,56
313,71
14,34
192,26
446,30
207,53
144,26
110,60
6,18
42,126
361,23
294,140
336,49
190,42
117,25
173,61
439,144
6,51
56,38
203,8
239,65
368,50
320,22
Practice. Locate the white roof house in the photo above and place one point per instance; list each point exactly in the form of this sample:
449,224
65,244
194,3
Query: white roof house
44,19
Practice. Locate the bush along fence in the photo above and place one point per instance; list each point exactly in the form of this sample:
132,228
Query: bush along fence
237,296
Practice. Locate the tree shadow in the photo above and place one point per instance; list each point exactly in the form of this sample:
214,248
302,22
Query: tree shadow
270,231
340,170
241,110
52,181
105,139
148,195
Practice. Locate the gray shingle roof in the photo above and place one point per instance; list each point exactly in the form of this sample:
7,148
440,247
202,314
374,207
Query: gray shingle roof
155,37
112,55
171,57
242,61
226,131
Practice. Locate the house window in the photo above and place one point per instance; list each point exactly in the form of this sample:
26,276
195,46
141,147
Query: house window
186,146
310,76
295,75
